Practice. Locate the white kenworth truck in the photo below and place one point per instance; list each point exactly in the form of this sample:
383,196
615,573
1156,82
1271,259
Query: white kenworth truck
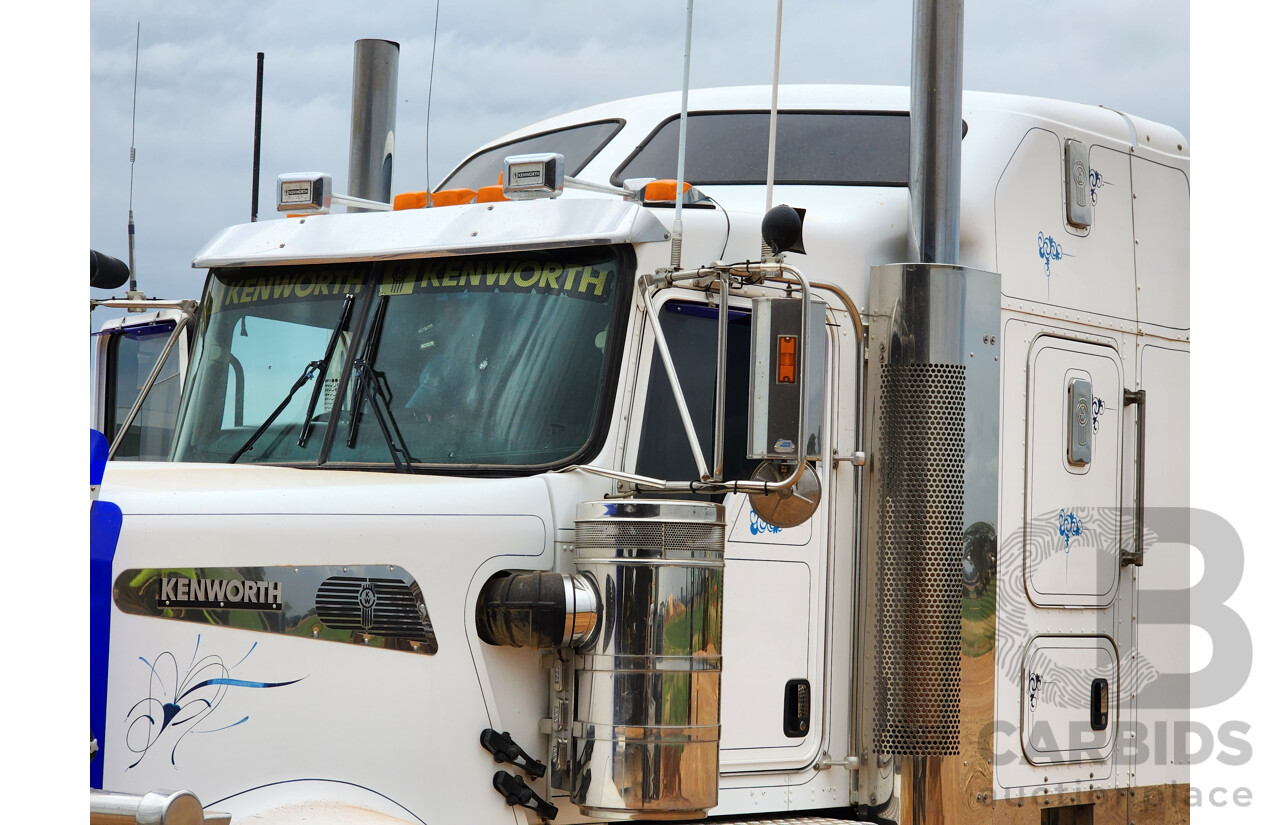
578,494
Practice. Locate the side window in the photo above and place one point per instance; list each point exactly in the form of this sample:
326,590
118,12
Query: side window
691,335
131,356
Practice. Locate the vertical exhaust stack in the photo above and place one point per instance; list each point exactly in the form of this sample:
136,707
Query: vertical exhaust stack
937,49
933,447
373,120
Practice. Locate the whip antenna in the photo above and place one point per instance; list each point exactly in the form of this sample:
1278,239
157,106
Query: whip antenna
257,141
773,111
677,228
133,155
431,76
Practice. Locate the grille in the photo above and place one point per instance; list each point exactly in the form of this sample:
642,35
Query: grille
920,521
382,607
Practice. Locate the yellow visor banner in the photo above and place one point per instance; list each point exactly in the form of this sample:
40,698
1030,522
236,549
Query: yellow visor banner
500,273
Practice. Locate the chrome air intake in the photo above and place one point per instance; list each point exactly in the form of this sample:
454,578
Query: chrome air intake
539,609
648,688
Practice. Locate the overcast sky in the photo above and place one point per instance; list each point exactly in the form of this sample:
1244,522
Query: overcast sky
506,63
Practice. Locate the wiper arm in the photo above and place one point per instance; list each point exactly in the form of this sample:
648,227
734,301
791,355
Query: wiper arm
324,369
308,372
382,395
366,358
369,381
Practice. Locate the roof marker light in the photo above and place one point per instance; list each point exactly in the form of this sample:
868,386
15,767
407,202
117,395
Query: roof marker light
492,194
664,190
452,197
410,200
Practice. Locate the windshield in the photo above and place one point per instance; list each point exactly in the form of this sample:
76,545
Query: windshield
485,361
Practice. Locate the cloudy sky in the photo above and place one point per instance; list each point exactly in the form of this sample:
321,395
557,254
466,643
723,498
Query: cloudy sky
504,63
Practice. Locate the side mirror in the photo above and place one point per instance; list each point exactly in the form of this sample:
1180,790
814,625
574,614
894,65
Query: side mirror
786,369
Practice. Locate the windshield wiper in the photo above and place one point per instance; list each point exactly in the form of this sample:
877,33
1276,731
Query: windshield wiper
321,367
370,381
381,405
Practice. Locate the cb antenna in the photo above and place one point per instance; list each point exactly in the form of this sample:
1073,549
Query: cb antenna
677,227
773,112
431,76
133,155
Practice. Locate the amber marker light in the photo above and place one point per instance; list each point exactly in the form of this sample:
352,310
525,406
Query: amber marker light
410,200
786,359
663,190
453,197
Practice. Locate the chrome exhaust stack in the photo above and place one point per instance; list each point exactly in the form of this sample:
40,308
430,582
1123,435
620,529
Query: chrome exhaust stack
373,120
937,50
932,432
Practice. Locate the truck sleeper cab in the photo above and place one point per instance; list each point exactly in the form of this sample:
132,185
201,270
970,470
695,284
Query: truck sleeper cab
388,412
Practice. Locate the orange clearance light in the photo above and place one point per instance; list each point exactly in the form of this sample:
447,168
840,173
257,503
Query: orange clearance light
453,197
490,194
663,190
786,359
410,200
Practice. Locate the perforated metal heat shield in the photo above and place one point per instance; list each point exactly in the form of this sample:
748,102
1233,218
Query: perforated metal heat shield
933,384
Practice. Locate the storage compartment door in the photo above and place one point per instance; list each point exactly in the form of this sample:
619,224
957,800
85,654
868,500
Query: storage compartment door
1069,700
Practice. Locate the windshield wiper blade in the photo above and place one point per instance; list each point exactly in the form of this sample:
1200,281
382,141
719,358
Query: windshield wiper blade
382,395
366,358
324,369
308,371
369,381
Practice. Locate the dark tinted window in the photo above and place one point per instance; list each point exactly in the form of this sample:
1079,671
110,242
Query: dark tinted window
690,330
578,144
131,355
813,147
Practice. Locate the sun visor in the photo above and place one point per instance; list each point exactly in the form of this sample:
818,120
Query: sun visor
458,230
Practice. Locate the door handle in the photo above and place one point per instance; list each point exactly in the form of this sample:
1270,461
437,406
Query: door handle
1137,553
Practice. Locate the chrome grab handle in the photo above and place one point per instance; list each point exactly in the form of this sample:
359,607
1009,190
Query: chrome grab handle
1136,555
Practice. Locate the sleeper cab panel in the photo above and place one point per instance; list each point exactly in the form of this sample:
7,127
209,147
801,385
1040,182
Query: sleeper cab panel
1162,235
1039,257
